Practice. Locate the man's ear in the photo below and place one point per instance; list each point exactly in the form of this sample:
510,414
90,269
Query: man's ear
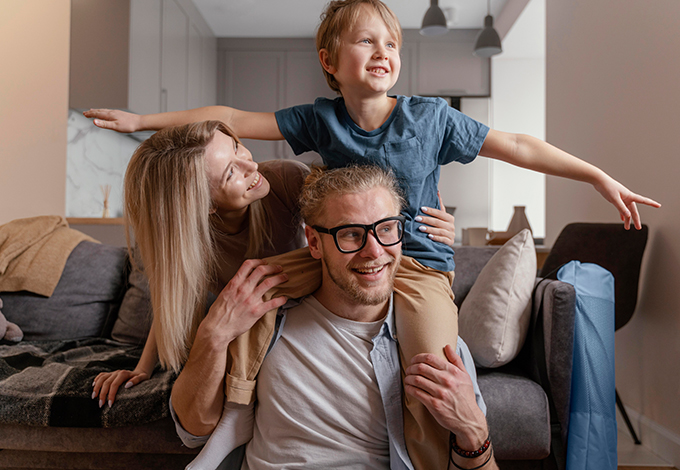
325,59
314,242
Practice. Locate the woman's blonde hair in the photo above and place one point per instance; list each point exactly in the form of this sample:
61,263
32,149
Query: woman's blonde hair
322,185
167,207
340,16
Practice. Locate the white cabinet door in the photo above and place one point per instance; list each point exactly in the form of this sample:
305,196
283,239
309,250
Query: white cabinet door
254,82
305,82
450,69
174,57
195,83
209,71
144,86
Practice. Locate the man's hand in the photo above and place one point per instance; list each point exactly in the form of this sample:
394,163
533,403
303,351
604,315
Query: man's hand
446,390
114,119
441,224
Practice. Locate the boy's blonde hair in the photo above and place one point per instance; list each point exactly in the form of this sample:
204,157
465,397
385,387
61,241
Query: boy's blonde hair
322,185
340,16
167,207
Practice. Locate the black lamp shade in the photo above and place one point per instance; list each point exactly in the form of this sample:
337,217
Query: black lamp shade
434,21
488,41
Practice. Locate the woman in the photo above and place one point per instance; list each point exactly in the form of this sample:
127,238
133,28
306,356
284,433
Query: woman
199,208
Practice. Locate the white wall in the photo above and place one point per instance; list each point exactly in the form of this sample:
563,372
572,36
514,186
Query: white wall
518,106
34,46
613,99
466,187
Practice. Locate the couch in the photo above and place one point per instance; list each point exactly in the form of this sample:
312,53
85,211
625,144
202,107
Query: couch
98,316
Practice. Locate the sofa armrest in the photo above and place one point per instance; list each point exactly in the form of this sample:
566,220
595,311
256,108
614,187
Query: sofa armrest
554,304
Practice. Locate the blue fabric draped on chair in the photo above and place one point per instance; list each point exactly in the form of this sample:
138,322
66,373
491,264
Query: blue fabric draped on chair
592,437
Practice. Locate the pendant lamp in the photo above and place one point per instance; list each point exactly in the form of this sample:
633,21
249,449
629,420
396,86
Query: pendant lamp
488,41
434,21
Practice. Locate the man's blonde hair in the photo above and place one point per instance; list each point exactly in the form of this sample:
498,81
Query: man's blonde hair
322,186
340,16
167,206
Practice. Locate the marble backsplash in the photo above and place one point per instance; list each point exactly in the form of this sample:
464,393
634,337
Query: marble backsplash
95,158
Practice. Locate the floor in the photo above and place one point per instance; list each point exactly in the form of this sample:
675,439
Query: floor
638,457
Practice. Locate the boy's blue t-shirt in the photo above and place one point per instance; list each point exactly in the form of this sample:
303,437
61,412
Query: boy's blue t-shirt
420,135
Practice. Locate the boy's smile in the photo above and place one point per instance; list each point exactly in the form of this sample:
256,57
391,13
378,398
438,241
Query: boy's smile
368,59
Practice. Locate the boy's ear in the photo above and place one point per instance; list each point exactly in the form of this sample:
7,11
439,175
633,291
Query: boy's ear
325,59
313,241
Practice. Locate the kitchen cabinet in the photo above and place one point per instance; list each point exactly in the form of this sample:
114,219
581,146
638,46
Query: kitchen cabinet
168,56
175,57
266,75
445,65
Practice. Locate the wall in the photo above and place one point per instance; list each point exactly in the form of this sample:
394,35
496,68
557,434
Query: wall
518,106
34,45
613,99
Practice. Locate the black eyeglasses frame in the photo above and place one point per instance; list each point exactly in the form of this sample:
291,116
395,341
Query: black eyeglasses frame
367,228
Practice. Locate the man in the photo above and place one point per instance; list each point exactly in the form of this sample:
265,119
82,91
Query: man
329,392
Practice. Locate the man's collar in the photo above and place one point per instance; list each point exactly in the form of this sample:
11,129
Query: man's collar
388,326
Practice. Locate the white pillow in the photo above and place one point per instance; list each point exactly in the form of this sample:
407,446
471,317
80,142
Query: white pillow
494,317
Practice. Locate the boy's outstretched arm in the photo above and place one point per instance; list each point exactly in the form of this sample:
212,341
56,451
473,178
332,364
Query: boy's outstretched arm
245,124
534,154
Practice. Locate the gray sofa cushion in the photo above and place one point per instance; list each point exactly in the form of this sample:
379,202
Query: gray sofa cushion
518,415
84,303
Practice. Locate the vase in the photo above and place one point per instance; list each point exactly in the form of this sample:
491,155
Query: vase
519,221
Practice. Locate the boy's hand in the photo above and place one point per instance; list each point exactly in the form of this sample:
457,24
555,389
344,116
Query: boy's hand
441,224
114,119
624,200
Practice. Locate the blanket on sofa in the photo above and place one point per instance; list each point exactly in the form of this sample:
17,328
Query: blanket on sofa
49,383
33,252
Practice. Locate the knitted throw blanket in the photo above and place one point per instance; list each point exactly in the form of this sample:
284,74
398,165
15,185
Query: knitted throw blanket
49,383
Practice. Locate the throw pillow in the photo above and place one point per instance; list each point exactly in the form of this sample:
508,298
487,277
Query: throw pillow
494,317
135,314
83,304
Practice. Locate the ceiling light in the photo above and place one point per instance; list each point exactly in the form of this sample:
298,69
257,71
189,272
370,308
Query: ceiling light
434,21
488,41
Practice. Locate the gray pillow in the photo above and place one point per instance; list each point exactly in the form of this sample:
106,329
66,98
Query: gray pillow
84,303
135,314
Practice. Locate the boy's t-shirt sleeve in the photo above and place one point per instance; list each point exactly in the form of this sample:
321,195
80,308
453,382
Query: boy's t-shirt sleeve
462,136
299,127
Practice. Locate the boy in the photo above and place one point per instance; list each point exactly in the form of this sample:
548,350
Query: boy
358,43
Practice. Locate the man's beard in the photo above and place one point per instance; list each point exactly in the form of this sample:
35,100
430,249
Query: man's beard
363,296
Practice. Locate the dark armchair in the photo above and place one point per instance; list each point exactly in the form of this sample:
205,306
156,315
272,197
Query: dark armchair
617,250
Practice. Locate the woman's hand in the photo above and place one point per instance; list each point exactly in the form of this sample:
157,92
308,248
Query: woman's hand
106,384
440,225
624,200
240,304
114,119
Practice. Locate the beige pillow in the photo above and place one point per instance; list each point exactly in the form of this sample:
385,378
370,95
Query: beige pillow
494,317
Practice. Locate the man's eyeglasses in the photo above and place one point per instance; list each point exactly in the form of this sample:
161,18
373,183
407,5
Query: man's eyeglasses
352,238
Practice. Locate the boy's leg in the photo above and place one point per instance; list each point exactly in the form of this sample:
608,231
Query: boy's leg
426,320
246,353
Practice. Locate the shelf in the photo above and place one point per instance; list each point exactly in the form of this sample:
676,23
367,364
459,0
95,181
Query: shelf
95,221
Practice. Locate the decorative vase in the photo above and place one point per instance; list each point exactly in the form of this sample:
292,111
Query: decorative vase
519,221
